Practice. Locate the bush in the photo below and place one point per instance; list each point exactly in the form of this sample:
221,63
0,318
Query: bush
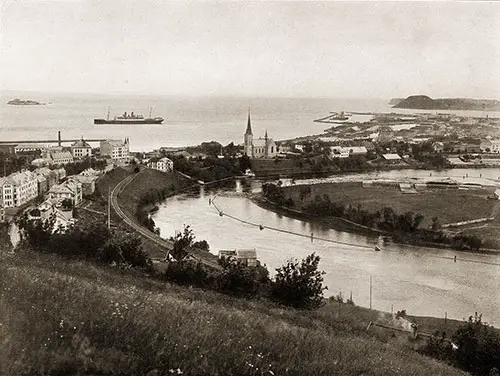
241,280
478,346
299,285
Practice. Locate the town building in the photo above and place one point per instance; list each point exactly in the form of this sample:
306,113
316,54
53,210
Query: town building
2,213
87,182
247,257
391,158
60,158
18,188
490,146
116,150
81,149
46,179
260,147
29,148
51,208
70,189
163,164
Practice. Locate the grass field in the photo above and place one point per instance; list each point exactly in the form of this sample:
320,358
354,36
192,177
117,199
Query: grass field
60,317
448,206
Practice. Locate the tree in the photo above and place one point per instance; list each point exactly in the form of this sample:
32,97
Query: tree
299,285
182,242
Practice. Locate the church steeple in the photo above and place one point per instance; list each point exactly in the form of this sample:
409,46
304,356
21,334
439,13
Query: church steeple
249,124
248,138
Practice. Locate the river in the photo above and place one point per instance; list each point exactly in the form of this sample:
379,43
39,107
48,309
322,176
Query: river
424,281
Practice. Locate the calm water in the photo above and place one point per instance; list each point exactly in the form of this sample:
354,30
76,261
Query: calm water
419,280
189,121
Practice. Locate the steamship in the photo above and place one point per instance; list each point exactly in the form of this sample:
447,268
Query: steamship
133,119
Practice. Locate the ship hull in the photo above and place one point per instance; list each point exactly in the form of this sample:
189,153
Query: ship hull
130,121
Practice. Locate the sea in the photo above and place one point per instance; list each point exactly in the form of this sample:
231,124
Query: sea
188,120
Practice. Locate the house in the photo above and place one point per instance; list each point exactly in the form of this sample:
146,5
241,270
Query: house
52,208
347,151
391,158
70,189
438,147
339,152
163,164
29,148
51,176
247,257
116,150
60,158
81,149
87,182
490,146
259,148
18,188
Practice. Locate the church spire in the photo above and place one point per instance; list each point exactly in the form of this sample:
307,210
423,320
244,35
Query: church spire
265,136
249,124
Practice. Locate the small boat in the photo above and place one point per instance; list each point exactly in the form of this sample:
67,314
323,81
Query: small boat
377,248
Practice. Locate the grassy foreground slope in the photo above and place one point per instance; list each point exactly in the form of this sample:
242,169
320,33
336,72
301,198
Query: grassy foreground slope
60,317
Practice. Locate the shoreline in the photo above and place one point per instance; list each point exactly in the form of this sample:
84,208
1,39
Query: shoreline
342,224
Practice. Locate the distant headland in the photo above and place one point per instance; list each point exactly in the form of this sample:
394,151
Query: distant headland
19,102
423,102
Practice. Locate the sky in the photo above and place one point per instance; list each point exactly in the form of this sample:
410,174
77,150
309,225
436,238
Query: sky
253,48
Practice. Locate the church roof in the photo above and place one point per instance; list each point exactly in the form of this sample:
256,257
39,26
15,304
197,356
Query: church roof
249,125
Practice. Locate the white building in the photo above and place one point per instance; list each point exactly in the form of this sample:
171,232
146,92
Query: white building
61,158
28,147
18,188
81,149
71,189
347,151
163,164
117,150
53,208
490,146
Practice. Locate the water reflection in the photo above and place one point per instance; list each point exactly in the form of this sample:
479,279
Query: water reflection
419,280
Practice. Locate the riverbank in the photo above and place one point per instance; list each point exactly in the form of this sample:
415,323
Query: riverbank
377,207
103,318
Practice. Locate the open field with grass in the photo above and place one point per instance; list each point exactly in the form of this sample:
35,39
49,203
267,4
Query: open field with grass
60,317
447,205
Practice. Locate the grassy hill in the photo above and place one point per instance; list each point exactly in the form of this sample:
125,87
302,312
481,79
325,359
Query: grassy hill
60,317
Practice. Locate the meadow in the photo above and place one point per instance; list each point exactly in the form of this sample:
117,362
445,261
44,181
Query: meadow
62,317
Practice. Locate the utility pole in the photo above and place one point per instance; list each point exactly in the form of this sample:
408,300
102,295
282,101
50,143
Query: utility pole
109,207
370,292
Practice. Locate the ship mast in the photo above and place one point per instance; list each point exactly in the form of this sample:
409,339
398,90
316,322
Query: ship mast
150,110
108,112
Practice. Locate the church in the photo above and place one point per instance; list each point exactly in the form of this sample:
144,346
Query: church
260,147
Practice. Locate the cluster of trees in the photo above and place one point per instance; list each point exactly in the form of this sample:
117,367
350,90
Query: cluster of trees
296,284
474,347
208,169
276,194
90,162
400,225
93,242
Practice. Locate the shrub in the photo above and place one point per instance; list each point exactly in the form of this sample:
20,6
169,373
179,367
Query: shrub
299,285
478,346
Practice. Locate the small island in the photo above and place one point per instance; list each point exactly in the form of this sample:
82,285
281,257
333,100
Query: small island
423,102
19,102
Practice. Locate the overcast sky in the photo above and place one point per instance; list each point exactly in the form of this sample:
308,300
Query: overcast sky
327,49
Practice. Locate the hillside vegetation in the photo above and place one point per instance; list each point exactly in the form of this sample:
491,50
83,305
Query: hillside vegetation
60,317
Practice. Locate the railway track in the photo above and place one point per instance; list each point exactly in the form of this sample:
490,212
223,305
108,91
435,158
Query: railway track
166,244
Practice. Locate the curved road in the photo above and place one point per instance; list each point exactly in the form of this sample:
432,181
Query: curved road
167,244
